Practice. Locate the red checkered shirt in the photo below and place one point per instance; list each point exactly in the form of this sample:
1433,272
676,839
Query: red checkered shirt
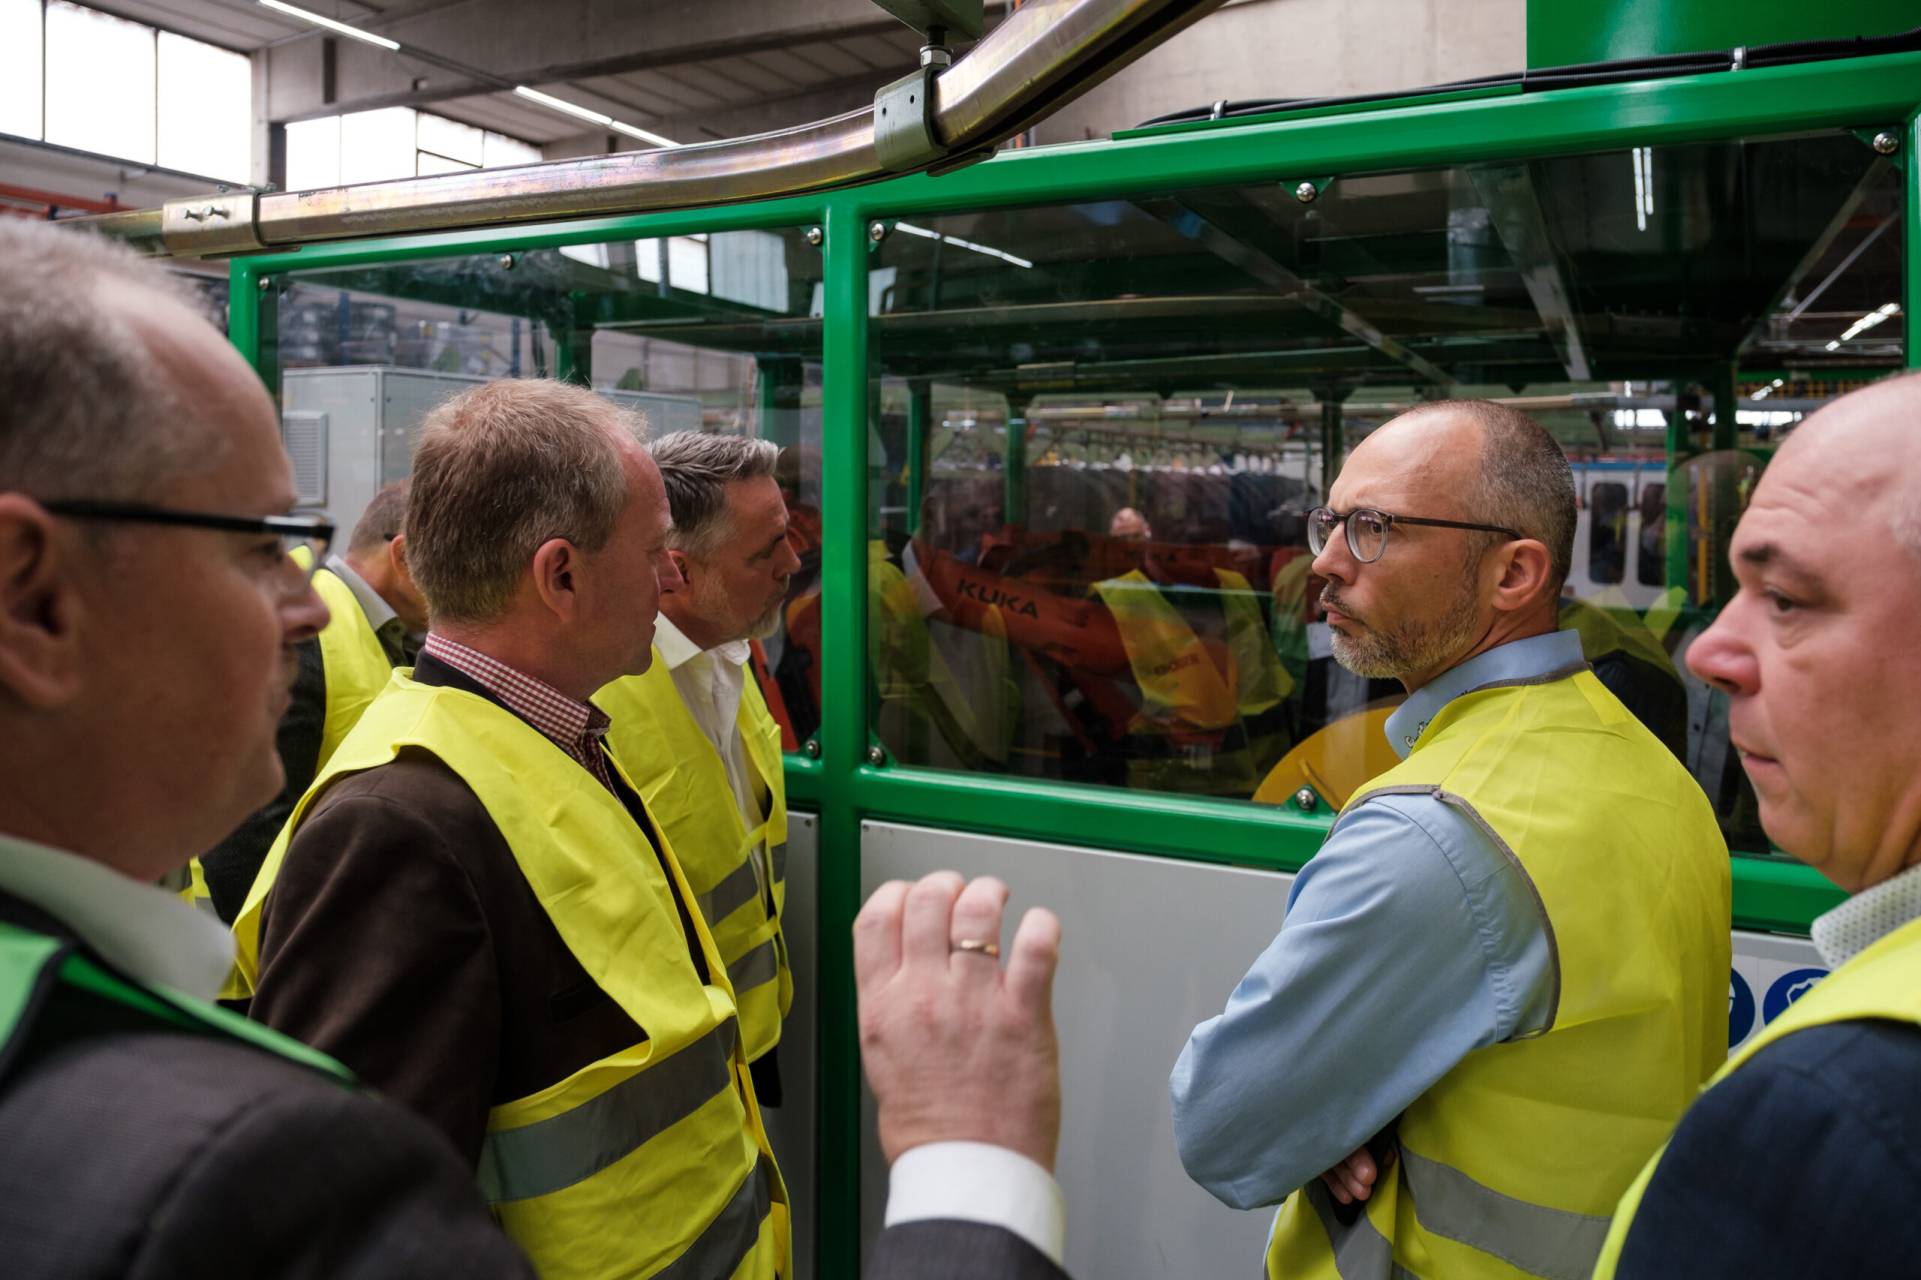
575,727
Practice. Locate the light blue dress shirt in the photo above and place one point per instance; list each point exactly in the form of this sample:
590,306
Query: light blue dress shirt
1410,940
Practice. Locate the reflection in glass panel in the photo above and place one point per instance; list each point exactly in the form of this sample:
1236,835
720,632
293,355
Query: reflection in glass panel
1097,428
20,54
365,352
84,50
206,108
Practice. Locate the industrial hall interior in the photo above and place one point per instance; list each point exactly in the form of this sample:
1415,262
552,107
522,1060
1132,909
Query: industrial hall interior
960,639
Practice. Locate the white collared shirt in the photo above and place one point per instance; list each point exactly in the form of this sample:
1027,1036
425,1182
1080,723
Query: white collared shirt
1867,917
711,683
144,931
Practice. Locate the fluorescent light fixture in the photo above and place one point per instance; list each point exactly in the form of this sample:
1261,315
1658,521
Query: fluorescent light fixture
1643,186
1869,320
1834,346
330,24
583,113
1763,393
959,243
642,134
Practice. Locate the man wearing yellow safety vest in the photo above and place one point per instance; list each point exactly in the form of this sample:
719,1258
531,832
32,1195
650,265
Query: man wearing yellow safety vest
694,732
1504,975
473,907
1800,1160
376,616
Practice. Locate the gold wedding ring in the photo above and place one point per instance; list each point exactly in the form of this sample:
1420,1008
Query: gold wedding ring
981,945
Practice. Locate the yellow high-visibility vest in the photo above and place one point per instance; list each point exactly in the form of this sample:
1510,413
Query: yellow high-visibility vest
655,1156
1511,1164
357,667
739,876
1181,686
356,670
1882,982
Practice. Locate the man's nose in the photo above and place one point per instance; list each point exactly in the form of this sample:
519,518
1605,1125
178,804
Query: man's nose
668,575
303,615
1335,562
1722,657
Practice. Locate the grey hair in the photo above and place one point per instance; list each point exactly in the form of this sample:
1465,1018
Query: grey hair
85,410
697,467
1524,482
501,469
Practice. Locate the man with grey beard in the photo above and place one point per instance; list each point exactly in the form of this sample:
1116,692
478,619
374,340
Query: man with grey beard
1504,975
694,732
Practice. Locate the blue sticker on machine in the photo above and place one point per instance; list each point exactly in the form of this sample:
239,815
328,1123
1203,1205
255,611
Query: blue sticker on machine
1788,988
1740,1008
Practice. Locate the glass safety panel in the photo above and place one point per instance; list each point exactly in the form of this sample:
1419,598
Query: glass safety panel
714,332
1096,429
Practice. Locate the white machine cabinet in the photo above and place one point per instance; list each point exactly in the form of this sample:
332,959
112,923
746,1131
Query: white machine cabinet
351,430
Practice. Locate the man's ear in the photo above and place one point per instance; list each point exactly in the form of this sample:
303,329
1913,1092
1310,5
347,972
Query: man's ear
557,565
397,558
1524,575
41,665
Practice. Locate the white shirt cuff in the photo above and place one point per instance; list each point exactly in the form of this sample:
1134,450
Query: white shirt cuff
980,1182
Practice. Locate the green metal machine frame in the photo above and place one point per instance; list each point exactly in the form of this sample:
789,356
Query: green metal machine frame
842,783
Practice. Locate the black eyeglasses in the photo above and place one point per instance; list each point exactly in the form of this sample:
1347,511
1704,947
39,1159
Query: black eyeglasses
304,539
1367,529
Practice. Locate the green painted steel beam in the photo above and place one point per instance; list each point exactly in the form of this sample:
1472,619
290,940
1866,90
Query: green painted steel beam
1321,109
805,781
1560,33
1771,100
1275,838
1779,895
843,733
1911,231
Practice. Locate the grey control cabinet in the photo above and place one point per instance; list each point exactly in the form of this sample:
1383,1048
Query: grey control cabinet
351,430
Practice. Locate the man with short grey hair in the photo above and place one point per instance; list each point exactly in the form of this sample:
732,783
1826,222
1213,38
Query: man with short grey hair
149,614
1501,978
694,731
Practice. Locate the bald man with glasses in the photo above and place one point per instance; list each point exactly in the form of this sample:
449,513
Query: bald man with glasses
1504,975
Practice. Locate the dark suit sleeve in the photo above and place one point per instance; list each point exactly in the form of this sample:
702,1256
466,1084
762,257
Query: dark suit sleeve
324,1183
232,864
1804,1162
375,949
942,1249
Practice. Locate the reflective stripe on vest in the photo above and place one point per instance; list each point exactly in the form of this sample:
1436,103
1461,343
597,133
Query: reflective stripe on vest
1511,1162
627,1166
684,782
1882,982
553,1154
